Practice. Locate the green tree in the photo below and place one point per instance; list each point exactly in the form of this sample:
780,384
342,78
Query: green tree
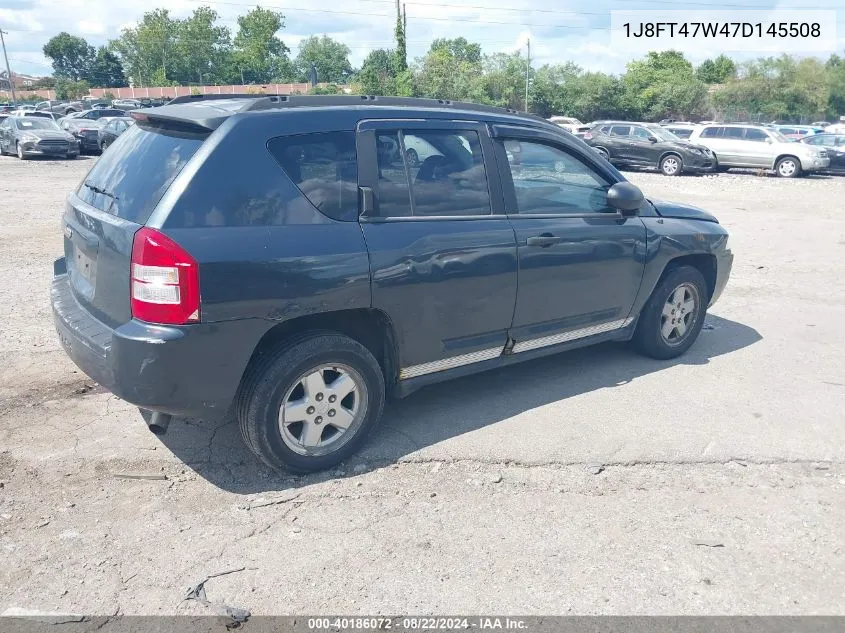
503,81
67,89
446,74
259,56
401,52
378,73
202,51
70,55
106,70
835,80
146,50
330,57
461,49
661,85
716,71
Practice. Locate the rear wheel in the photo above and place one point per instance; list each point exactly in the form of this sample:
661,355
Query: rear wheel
311,403
671,165
413,157
674,314
788,167
602,152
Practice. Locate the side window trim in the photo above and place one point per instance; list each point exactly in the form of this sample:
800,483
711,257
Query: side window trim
368,159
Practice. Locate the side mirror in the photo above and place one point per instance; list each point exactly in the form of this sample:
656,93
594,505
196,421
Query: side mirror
625,197
769,140
652,139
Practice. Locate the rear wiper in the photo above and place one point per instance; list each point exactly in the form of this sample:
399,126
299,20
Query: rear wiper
100,190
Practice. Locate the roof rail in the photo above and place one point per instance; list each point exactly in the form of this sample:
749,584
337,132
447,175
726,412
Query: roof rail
213,97
282,101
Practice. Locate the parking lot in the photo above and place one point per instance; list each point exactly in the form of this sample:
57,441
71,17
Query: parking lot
594,482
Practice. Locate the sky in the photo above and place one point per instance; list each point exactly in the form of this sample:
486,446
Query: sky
559,30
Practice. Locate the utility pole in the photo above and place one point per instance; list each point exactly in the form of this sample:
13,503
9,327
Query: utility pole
405,22
527,72
8,70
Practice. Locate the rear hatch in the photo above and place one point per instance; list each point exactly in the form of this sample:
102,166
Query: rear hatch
114,200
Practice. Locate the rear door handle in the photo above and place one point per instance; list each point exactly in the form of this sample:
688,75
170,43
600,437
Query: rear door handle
544,240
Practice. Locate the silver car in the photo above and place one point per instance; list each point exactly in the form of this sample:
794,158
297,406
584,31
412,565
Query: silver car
752,146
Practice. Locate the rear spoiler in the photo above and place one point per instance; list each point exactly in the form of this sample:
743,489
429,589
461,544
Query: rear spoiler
185,117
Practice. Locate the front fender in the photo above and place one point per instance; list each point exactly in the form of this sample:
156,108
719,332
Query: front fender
668,239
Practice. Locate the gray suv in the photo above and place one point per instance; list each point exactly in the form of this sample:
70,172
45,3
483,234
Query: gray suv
752,146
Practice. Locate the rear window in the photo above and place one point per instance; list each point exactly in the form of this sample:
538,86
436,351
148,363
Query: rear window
325,168
130,179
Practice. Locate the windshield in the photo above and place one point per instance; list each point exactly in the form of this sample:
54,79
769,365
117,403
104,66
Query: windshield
36,123
663,134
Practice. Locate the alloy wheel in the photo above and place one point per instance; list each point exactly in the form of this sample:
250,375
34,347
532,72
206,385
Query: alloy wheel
323,409
679,314
787,168
670,166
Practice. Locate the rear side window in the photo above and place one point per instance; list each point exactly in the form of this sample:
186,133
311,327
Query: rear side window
753,134
711,132
431,173
620,130
734,132
130,179
325,168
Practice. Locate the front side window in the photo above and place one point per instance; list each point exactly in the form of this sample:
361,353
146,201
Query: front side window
325,168
431,173
641,133
548,180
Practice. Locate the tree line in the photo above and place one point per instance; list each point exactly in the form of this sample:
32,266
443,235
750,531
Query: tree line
163,51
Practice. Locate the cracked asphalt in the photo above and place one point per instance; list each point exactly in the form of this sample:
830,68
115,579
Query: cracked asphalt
596,482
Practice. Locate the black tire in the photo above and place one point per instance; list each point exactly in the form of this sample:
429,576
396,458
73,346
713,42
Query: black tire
412,156
278,372
19,151
717,168
649,338
602,152
783,170
671,165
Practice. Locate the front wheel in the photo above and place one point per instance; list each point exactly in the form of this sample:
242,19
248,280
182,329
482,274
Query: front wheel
671,165
310,404
674,314
413,157
788,167
603,153
20,153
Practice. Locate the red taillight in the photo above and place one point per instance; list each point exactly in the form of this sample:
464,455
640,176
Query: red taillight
164,279
587,135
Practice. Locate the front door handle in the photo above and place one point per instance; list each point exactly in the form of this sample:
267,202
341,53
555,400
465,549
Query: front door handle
544,240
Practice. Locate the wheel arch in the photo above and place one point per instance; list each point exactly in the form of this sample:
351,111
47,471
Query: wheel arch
670,152
370,327
780,157
705,263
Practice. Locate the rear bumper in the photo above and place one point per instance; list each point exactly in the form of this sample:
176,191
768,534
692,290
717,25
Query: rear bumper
814,164
187,371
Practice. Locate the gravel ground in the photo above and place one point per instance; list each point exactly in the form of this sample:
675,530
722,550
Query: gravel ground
596,482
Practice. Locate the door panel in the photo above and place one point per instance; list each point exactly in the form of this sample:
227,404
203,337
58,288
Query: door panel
580,262
443,257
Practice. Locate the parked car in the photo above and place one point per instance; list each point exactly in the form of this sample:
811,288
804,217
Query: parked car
795,132
820,124
99,113
681,130
756,146
32,113
112,128
834,145
273,264
570,124
648,145
126,104
85,131
60,107
35,136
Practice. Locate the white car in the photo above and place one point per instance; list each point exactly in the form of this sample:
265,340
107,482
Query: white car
568,123
750,146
